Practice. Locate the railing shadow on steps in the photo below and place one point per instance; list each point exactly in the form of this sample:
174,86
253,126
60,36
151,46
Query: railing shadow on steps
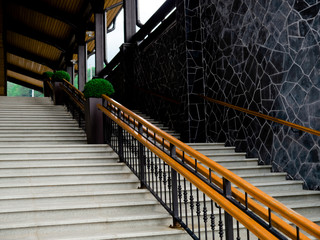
187,184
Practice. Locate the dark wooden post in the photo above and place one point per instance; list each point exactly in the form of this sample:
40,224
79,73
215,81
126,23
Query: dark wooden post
99,23
129,7
82,61
70,70
94,121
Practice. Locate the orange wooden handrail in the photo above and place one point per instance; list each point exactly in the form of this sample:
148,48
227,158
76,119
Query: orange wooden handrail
79,104
256,193
277,222
249,223
261,115
81,95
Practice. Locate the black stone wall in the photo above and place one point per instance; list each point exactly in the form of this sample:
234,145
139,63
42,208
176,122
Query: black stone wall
262,55
265,56
158,85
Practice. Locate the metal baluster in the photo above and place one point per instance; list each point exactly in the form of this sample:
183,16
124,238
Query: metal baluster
220,222
205,216
298,232
156,173
212,218
148,167
180,194
185,199
152,171
238,231
141,159
165,182
160,178
191,207
120,139
198,211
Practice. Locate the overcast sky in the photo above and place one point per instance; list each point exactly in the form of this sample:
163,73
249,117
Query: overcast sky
115,38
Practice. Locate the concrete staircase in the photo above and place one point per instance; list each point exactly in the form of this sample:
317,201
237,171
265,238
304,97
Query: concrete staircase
55,186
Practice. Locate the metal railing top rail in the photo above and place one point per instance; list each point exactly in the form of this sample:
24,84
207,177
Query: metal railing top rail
295,218
264,116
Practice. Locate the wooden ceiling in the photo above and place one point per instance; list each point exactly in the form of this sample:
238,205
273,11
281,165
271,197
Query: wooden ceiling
41,35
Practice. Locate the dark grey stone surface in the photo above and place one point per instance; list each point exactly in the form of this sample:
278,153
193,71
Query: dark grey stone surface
265,56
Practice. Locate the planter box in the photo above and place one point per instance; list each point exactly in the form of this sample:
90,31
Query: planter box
94,121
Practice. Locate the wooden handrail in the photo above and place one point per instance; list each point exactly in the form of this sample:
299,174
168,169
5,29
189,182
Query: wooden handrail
248,222
300,221
79,104
277,222
77,91
261,115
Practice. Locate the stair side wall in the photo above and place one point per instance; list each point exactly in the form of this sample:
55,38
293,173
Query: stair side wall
264,56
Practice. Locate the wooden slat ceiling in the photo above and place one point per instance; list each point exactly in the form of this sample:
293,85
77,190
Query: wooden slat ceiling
40,35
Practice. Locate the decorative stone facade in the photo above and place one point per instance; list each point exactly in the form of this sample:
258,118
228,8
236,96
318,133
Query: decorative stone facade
265,56
260,55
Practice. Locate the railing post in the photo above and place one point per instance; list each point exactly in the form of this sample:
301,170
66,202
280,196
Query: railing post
141,160
120,138
174,184
227,217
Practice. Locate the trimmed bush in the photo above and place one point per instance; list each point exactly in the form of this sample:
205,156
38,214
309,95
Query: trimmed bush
96,87
47,74
58,76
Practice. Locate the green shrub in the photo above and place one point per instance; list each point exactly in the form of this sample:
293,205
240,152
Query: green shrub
96,87
47,74
58,76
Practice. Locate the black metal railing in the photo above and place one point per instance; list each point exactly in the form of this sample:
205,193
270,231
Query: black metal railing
74,101
177,176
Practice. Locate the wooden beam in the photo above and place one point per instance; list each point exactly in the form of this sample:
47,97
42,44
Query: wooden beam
25,84
26,31
32,57
24,71
43,8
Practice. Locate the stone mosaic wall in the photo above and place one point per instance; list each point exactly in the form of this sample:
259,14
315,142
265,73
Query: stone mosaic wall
156,71
265,56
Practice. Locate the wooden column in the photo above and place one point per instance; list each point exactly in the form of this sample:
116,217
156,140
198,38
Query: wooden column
3,56
82,64
70,70
129,7
99,37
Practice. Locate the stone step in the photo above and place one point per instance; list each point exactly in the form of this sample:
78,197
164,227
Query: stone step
40,134
296,196
31,132
70,177
75,197
150,233
61,169
37,128
232,163
81,185
55,161
65,148
222,156
23,213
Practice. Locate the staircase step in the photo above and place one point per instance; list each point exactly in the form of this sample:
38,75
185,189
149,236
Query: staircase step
75,197
79,186
51,162
60,169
